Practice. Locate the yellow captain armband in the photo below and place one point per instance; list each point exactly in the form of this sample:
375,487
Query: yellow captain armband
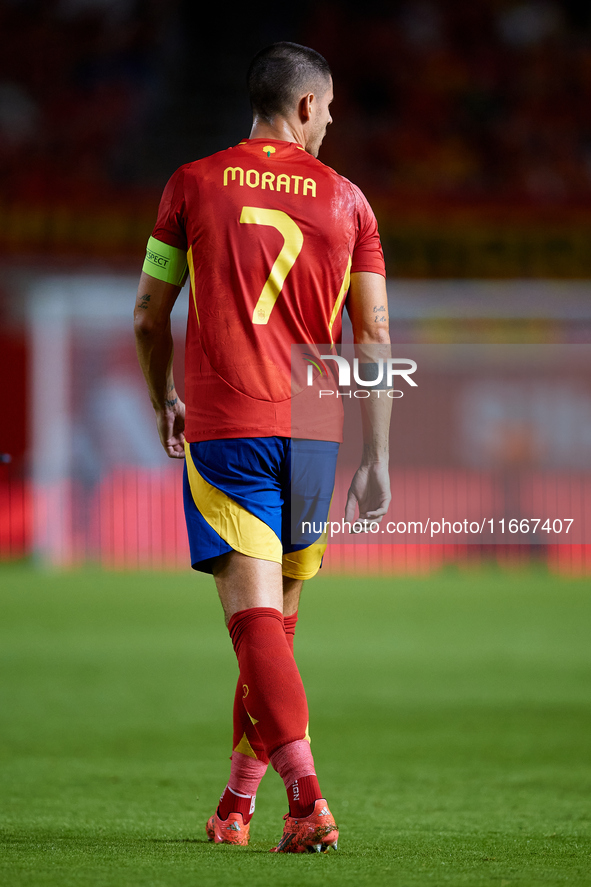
165,262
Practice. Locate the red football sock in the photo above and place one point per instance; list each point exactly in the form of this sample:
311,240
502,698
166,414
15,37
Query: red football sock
273,693
289,623
295,765
246,739
240,794
302,793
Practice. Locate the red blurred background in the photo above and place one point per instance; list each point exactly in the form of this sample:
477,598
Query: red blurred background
466,124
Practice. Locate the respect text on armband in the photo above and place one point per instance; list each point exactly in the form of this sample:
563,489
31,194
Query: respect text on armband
161,261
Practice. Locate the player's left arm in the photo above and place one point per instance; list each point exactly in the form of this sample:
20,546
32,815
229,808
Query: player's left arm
154,346
367,305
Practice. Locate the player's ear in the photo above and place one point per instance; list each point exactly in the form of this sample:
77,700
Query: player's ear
305,107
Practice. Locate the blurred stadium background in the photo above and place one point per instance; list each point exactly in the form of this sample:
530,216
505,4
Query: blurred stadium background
466,124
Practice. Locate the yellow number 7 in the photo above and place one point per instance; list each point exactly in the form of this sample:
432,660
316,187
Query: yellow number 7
292,244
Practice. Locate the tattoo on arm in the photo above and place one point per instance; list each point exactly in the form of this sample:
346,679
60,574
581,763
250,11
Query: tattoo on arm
377,308
381,319
170,401
144,301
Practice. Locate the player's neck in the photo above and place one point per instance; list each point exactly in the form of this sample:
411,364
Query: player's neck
280,129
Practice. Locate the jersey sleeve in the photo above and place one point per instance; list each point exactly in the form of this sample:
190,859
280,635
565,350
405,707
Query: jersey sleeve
170,225
367,253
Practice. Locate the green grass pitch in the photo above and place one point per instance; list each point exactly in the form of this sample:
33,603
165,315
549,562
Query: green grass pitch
450,721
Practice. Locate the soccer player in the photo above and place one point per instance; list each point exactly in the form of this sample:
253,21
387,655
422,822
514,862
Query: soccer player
275,243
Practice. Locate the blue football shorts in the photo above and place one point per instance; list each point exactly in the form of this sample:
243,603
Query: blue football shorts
266,497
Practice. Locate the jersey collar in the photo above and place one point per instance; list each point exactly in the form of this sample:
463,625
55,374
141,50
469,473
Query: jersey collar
282,143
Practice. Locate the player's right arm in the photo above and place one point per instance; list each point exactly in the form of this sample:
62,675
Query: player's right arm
154,345
367,305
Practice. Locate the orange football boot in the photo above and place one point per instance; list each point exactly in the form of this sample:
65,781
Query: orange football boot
232,830
309,834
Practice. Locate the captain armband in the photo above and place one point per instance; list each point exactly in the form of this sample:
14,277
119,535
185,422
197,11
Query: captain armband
167,263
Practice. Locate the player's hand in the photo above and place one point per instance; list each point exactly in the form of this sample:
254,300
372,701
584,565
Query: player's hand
171,427
370,492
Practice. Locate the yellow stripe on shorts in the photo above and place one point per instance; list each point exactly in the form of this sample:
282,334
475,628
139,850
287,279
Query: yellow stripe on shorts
305,564
243,531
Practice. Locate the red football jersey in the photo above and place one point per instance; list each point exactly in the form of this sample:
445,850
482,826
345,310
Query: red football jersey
272,235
